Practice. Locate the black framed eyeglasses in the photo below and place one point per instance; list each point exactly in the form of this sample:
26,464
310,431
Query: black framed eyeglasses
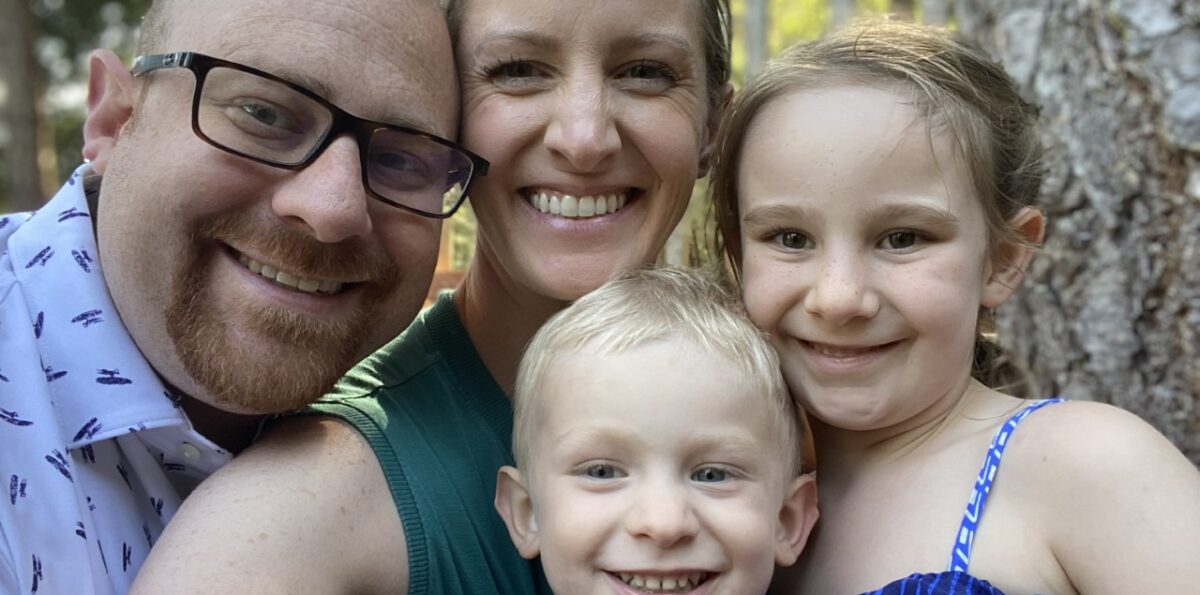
270,120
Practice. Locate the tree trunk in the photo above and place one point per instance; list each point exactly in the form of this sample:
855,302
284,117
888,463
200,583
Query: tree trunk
842,11
903,9
935,12
755,36
1110,309
21,77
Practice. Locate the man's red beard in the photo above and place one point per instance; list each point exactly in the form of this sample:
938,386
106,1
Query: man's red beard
300,358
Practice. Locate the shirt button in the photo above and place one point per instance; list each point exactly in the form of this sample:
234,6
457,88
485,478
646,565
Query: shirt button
189,452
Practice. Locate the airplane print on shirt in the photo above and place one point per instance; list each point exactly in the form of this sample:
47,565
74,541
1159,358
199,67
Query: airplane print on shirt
90,439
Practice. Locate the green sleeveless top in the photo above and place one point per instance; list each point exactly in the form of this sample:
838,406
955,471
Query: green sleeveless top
441,428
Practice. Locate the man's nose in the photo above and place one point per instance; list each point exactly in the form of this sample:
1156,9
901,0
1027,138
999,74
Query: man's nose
327,198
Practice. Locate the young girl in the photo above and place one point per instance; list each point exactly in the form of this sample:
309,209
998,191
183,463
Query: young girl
874,190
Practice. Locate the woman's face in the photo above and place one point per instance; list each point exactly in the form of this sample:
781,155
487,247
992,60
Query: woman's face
593,116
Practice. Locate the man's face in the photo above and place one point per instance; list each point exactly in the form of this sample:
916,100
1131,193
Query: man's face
207,254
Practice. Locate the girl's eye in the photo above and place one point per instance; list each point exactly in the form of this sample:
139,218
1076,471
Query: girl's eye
793,240
710,475
901,240
602,471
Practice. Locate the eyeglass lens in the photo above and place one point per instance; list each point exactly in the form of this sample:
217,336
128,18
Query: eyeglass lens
270,121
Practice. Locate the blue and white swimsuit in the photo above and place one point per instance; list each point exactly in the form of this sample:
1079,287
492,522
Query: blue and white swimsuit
956,580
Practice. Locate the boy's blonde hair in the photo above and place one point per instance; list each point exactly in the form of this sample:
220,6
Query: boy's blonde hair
648,305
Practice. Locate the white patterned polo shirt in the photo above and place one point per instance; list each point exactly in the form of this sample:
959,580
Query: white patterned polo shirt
95,456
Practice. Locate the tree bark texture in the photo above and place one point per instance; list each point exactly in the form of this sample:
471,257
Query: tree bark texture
1110,308
20,74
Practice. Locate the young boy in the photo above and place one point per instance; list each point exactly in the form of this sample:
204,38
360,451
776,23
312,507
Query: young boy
657,445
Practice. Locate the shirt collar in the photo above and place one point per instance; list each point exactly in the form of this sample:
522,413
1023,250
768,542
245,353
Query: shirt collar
101,385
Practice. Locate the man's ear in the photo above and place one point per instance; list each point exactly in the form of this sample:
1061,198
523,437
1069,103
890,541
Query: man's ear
515,507
110,103
797,517
711,126
1009,263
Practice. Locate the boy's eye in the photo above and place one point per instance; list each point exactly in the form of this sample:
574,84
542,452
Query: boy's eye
710,475
602,471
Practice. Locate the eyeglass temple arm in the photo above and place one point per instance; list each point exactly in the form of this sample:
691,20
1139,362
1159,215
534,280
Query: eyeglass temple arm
144,64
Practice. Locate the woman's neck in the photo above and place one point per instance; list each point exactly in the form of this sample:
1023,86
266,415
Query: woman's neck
500,316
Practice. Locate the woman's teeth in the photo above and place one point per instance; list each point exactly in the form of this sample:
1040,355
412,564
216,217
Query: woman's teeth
289,280
577,207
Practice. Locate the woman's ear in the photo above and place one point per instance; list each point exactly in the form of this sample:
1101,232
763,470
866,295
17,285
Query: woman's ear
110,104
711,126
797,517
1009,263
516,508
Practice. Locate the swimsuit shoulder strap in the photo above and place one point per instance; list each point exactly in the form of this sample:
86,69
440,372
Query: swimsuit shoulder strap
960,558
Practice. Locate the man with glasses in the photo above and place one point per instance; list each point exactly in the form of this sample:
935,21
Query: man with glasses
260,210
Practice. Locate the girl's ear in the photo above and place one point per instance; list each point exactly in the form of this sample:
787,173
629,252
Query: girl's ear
516,508
1008,266
796,519
110,104
711,126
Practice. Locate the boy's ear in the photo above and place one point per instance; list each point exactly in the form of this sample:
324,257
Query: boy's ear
711,126
515,507
796,519
110,103
1008,267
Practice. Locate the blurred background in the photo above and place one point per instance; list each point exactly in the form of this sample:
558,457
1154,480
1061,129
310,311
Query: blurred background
1110,309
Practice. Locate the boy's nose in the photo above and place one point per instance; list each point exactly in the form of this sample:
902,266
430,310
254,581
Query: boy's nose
664,515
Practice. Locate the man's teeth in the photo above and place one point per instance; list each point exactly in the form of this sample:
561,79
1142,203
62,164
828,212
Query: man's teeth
676,582
577,207
288,279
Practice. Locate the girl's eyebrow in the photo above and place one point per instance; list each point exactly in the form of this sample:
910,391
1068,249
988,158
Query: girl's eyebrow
927,214
772,214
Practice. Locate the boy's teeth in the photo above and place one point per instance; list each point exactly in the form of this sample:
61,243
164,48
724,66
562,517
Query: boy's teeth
287,279
663,583
577,207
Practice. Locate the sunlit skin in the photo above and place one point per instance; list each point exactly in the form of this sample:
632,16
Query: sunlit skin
655,464
176,212
865,255
581,99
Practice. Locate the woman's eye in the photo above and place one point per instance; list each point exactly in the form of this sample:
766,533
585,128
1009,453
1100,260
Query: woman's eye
901,240
648,75
602,471
515,74
710,475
